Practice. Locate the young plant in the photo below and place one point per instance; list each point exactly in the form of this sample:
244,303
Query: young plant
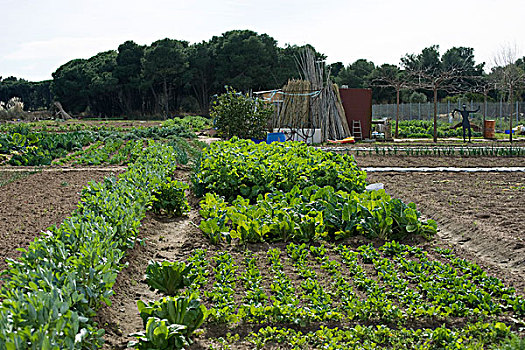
169,198
168,277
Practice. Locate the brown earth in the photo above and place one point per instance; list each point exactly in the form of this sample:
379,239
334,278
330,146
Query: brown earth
462,162
30,203
480,215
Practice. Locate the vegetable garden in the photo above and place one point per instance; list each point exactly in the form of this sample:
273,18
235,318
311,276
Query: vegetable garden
282,247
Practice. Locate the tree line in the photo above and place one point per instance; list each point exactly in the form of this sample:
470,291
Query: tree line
172,76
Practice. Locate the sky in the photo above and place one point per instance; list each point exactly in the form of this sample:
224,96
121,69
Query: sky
38,36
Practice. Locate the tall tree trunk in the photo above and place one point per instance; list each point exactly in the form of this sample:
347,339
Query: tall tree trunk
511,113
166,99
397,111
484,111
435,113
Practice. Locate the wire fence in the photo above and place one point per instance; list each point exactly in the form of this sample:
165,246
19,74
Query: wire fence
498,111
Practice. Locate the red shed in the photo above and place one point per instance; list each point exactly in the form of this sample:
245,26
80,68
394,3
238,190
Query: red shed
358,107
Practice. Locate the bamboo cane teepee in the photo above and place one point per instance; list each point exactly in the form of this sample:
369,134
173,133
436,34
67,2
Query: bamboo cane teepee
312,103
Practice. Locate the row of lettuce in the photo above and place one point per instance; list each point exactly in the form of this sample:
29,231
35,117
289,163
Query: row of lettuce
292,192
278,192
23,145
51,293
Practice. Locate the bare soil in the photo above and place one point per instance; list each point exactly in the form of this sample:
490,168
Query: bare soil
479,215
30,203
463,162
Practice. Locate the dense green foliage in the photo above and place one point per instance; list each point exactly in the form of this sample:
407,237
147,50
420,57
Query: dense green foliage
195,123
65,275
241,167
312,214
35,95
171,75
33,148
425,129
27,147
236,114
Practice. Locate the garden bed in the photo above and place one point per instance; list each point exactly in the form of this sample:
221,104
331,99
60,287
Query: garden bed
33,202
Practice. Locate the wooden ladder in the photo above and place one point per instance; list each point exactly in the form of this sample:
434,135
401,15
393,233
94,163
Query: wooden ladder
356,130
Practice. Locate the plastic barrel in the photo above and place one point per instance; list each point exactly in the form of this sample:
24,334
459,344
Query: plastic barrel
275,137
490,129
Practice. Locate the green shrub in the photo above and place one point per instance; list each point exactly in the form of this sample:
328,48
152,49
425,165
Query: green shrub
238,115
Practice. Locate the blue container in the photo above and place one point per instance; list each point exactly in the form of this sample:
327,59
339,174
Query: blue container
508,132
257,140
275,137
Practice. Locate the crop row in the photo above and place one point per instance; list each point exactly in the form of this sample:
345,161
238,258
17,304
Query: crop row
22,146
64,276
444,151
425,129
189,122
311,214
394,285
241,167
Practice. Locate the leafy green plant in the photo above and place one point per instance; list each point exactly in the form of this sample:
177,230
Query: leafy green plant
169,198
311,214
160,335
240,167
185,310
168,276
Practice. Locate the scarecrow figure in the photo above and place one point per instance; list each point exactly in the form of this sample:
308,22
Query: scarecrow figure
465,123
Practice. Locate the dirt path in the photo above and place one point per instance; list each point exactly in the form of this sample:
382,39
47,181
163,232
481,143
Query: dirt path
164,239
405,161
479,215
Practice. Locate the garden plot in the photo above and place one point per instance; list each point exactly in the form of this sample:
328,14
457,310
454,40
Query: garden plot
351,286
321,294
34,201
